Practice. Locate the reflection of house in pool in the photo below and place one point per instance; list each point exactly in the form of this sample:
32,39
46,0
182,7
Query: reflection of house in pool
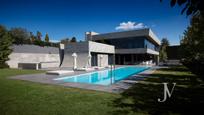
128,47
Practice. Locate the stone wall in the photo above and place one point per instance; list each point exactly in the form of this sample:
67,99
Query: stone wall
47,56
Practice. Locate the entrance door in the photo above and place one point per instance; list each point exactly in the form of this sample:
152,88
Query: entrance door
94,59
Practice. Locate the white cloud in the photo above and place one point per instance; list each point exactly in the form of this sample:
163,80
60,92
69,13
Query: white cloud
130,25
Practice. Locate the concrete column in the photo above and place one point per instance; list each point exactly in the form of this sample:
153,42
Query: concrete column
136,58
123,60
132,58
119,59
37,66
157,60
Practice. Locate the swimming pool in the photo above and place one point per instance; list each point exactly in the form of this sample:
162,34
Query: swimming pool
104,77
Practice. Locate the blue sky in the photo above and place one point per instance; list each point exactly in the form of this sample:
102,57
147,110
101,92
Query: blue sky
67,18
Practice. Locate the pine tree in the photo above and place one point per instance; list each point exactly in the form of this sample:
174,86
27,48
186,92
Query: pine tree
20,35
46,38
39,35
162,52
32,37
192,46
5,43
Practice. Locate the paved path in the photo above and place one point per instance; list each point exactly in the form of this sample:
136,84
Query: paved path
114,88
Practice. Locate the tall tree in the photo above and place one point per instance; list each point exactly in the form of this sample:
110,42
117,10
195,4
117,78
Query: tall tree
193,42
192,46
47,38
32,37
73,39
39,35
165,42
20,35
162,53
5,43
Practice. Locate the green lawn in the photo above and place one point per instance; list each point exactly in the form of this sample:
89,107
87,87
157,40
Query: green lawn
187,98
25,98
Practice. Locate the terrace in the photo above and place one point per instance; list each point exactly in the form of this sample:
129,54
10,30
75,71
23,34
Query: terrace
117,87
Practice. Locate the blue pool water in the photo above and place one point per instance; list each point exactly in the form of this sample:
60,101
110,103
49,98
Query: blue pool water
105,77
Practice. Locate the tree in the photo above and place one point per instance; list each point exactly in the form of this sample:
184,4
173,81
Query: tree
46,38
20,35
193,42
192,46
5,49
162,53
39,35
32,37
73,39
191,7
165,42
39,42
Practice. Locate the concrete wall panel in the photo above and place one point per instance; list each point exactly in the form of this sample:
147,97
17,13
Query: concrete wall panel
82,60
48,60
101,48
102,60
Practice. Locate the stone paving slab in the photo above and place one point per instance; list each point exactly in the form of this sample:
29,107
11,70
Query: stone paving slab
114,88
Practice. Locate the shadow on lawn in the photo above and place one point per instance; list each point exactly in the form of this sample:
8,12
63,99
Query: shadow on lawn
187,98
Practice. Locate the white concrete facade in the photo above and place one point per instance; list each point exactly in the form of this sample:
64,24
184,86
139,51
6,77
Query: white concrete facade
101,48
125,34
83,50
45,56
46,60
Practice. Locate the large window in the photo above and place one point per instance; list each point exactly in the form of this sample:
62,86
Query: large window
125,43
129,43
150,45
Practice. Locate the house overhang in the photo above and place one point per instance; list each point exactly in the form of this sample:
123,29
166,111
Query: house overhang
126,34
136,51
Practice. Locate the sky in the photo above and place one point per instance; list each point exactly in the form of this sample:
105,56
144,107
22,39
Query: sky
67,18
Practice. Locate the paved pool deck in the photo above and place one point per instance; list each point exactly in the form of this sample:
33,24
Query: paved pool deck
114,88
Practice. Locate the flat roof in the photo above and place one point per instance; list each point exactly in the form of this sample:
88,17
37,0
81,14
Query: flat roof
147,32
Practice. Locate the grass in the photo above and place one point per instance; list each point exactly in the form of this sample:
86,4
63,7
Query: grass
187,97
27,98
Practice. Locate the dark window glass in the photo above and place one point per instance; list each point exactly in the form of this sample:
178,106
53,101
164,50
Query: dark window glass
126,43
130,43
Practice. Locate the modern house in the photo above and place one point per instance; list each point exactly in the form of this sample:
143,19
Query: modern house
121,48
131,47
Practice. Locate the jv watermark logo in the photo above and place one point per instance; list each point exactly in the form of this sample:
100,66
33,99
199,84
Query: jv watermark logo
167,92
